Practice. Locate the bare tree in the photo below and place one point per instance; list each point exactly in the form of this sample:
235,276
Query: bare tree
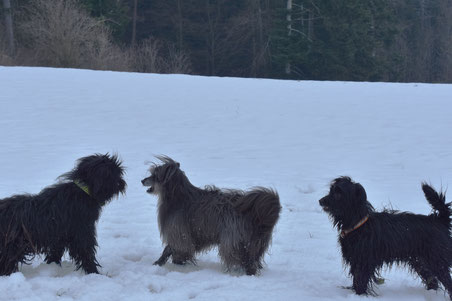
61,34
153,56
146,56
177,61
246,36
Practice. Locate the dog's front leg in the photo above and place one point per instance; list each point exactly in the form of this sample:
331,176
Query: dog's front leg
89,263
86,260
83,251
167,252
361,280
181,257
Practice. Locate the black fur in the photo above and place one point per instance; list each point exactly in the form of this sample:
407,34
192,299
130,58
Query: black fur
419,241
192,220
61,217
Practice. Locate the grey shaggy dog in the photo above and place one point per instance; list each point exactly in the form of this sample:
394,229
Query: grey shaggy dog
192,220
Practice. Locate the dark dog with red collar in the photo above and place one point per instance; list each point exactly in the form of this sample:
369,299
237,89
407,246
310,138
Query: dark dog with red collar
369,239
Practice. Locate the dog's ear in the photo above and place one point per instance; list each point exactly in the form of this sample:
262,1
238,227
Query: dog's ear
360,193
168,172
337,192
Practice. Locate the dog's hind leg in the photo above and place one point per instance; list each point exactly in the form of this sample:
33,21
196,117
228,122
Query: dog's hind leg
251,266
443,275
234,252
251,260
167,252
8,265
427,276
10,257
247,260
258,247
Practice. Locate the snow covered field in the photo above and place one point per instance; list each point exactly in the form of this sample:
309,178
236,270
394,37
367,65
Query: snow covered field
294,136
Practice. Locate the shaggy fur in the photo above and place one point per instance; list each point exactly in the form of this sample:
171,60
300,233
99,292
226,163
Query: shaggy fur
192,220
61,217
419,241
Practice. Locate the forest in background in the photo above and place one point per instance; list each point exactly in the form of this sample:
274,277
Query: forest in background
356,40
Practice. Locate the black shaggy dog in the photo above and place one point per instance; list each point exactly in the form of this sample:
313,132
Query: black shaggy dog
371,239
61,217
192,220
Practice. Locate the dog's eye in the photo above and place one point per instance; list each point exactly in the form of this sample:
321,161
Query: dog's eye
337,192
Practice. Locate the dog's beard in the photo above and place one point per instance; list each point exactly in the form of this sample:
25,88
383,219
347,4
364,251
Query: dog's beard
153,188
326,209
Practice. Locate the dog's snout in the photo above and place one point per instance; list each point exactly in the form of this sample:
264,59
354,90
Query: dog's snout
322,202
147,181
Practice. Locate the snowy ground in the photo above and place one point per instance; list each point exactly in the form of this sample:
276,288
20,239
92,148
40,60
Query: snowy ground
294,136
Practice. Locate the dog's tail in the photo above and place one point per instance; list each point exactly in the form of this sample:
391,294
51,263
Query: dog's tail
262,205
438,203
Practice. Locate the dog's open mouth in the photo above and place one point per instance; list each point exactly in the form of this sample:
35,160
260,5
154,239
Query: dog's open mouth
148,183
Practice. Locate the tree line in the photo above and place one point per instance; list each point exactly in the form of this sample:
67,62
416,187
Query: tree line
359,40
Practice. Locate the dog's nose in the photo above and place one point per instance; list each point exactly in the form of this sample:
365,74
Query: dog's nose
142,181
322,201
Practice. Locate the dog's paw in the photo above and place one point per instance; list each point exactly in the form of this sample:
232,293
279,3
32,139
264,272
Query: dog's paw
180,262
159,263
346,287
90,270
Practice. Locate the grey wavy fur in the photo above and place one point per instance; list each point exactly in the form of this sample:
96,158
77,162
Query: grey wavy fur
192,220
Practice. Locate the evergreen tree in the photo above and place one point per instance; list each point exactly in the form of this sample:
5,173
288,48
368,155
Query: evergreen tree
334,39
